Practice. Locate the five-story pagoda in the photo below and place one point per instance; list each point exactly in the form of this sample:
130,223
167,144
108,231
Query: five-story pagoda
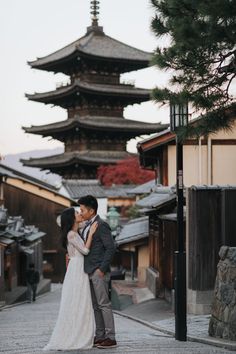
95,131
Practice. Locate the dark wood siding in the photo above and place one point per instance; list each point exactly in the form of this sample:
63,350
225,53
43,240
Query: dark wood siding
169,247
154,241
2,283
228,217
204,237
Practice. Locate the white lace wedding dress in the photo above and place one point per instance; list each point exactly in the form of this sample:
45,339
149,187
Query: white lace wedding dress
75,324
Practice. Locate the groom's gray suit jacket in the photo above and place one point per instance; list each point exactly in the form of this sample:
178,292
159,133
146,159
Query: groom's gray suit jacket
102,249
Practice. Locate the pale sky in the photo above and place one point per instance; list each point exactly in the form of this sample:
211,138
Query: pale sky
31,29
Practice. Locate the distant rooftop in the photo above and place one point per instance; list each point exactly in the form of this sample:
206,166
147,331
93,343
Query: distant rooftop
79,188
135,229
156,199
119,191
144,188
10,172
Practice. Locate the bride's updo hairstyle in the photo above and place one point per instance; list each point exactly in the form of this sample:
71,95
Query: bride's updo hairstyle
67,222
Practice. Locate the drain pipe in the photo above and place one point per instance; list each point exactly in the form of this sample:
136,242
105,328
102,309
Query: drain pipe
199,161
209,161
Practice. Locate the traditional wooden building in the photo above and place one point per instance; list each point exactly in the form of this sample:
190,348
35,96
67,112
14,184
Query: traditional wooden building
208,160
162,239
20,245
39,204
95,131
210,175
211,223
133,247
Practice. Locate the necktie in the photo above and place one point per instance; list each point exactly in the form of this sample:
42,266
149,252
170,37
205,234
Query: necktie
86,230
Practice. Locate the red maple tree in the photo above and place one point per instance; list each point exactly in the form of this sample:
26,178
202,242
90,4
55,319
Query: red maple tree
127,171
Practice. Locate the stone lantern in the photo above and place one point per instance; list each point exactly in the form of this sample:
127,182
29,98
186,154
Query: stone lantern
113,219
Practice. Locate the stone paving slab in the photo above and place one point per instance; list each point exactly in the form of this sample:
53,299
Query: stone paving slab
25,329
197,330
196,325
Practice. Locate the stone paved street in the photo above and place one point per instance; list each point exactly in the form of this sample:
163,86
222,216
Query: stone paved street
26,329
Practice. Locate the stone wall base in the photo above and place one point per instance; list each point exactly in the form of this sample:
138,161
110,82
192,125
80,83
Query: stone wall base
223,315
152,281
2,303
199,302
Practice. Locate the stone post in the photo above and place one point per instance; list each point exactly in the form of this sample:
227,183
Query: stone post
223,315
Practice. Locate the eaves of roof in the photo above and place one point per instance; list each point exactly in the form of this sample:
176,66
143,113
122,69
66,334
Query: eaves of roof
95,44
8,172
156,200
78,188
135,229
155,141
97,122
90,88
83,157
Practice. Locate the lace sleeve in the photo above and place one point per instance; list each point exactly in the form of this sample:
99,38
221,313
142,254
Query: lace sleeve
75,240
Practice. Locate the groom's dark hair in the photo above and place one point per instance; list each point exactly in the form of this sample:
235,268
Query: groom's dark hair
89,201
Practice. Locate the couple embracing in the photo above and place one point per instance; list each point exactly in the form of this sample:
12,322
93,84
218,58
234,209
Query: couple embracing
85,316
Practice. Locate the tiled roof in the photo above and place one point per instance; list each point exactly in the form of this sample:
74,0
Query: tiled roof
84,157
79,188
155,200
35,236
97,122
95,44
144,188
10,172
16,231
78,86
163,137
119,191
6,241
135,229
214,186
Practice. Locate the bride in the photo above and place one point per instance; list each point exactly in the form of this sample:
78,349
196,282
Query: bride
74,327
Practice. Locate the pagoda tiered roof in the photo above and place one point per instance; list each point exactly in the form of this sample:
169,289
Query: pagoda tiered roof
85,157
133,94
95,132
97,46
117,124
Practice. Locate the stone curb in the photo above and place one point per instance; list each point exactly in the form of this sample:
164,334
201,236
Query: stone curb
211,341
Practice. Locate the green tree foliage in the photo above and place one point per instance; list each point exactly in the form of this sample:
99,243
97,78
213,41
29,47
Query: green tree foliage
133,212
201,55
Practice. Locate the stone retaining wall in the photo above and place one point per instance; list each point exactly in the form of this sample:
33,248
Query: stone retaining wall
223,315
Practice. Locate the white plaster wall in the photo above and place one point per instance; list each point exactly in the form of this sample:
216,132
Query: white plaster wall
216,165
102,207
224,164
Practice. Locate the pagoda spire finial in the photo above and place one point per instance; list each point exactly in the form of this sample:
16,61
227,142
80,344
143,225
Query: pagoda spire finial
94,6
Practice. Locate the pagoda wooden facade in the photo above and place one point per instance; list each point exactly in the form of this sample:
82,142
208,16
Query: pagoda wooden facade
95,131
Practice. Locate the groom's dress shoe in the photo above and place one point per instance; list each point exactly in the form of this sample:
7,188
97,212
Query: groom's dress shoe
96,342
107,343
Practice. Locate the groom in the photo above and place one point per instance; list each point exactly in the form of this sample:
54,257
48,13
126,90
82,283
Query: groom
97,265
